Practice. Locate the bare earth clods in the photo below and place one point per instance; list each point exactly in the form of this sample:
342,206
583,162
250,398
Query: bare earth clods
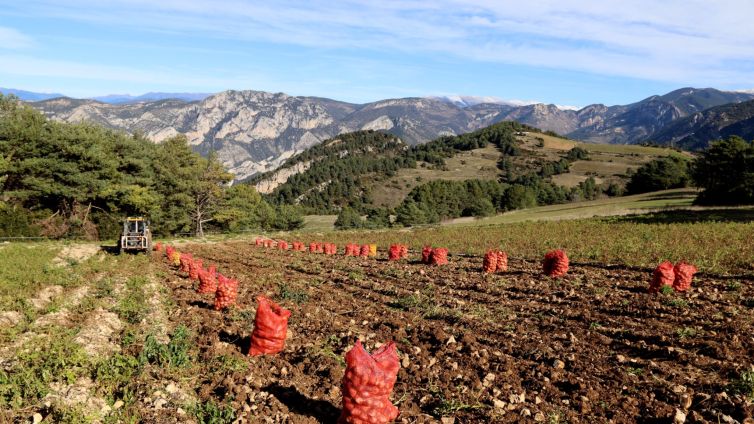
98,331
75,253
45,296
514,347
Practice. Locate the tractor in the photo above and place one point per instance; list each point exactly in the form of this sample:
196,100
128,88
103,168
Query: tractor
136,236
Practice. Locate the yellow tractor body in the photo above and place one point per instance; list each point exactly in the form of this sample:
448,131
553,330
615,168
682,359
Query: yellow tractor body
136,235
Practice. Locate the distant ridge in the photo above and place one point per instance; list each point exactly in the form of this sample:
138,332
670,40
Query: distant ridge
151,97
29,96
696,131
256,131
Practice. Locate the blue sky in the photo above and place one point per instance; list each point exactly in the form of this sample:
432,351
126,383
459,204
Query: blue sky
562,52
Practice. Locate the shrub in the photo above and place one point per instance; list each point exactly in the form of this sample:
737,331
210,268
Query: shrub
660,174
726,172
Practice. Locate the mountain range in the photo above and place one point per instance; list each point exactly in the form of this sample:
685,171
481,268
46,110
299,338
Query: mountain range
255,131
695,131
31,96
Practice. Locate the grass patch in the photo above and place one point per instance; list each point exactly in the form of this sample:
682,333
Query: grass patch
685,332
448,407
677,303
63,414
25,268
405,303
744,384
114,374
734,285
55,359
173,354
228,364
211,413
132,307
286,292
327,349
635,370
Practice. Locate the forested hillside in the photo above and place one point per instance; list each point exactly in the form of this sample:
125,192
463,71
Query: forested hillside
80,180
476,174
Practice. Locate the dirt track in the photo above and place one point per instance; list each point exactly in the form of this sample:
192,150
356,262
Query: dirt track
513,347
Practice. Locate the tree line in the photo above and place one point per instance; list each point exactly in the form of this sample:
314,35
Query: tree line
724,171
80,180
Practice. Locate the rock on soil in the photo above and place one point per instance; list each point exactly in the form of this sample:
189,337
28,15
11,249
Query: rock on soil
45,296
61,318
10,319
75,296
97,331
156,316
78,394
75,252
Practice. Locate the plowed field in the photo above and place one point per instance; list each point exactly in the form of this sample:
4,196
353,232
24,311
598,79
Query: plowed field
592,347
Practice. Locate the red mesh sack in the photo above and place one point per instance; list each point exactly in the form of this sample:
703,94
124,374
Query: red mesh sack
169,251
404,251
269,243
490,262
297,246
555,264
367,384
270,328
364,251
186,261
426,254
350,250
333,249
157,247
394,253
439,256
194,267
283,245
207,281
502,261
312,247
684,273
258,242
227,292
663,275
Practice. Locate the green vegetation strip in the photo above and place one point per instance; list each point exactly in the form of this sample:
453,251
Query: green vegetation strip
715,247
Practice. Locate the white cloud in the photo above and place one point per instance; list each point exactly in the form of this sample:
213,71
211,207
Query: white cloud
12,39
680,41
29,66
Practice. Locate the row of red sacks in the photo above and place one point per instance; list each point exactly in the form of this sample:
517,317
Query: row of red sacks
271,321
368,380
555,264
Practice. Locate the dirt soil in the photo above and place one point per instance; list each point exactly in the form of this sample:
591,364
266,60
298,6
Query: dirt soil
593,347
